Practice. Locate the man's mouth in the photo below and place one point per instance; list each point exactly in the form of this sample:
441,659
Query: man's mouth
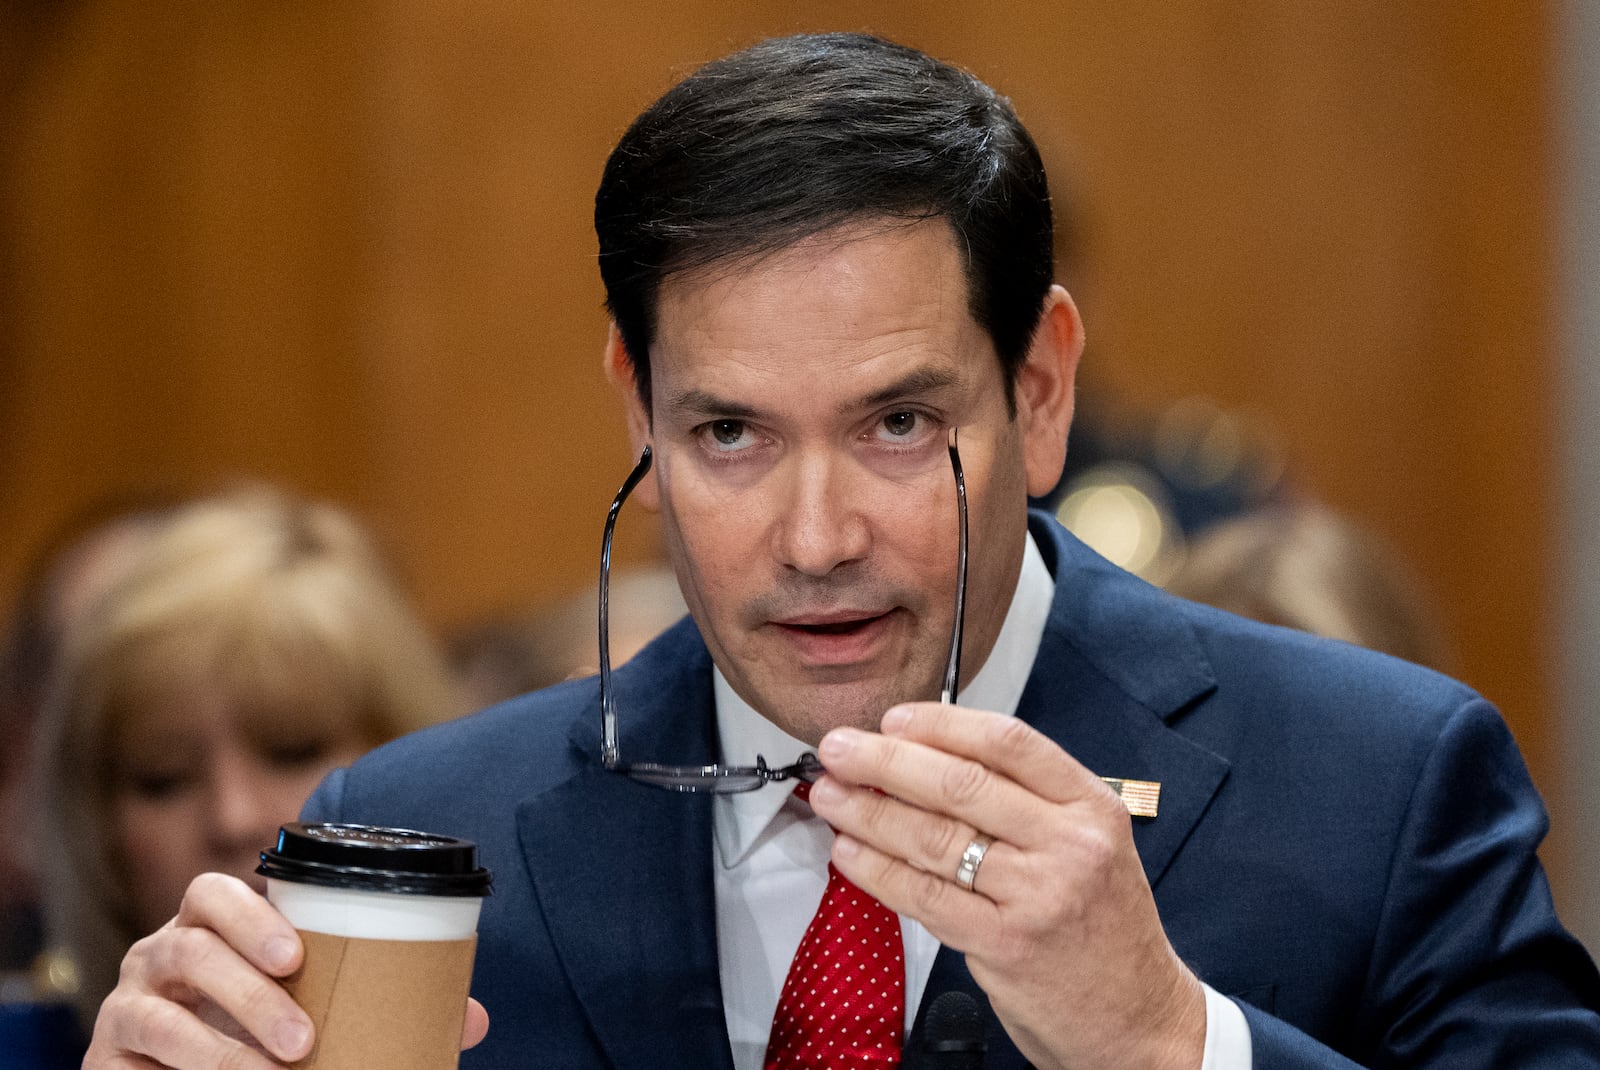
836,638
837,627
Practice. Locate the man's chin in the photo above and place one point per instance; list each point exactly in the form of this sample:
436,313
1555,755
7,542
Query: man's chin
824,709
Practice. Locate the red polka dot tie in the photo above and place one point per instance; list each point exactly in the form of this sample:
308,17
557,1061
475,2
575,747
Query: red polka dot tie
843,1005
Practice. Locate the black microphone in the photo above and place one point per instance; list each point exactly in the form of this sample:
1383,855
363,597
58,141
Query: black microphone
952,1034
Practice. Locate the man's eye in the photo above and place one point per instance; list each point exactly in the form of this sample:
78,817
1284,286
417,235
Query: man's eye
901,424
727,435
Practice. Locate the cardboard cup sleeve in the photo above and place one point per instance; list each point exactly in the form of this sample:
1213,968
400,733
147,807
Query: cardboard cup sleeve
389,1003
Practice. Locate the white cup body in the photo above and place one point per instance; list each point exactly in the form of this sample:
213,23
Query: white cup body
371,915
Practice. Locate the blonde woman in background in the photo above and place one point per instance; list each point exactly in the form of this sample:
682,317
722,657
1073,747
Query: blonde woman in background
256,644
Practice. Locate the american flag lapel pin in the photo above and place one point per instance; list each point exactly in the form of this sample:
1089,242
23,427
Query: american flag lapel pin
1141,797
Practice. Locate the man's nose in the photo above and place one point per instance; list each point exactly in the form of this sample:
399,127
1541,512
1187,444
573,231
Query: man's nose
822,523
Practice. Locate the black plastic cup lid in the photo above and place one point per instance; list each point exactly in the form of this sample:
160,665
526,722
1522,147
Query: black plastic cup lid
370,858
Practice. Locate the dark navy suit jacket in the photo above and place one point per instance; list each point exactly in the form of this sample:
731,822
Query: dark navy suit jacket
1345,844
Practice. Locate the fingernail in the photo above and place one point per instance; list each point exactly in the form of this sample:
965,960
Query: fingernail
896,719
845,847
279,952
836,744
827,791
292,1038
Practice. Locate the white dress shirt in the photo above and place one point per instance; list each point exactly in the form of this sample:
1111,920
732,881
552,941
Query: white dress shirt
772,851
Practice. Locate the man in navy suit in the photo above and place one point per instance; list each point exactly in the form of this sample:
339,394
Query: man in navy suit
822,255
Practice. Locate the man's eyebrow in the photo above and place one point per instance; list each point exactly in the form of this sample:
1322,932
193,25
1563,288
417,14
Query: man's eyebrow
695,402
705,403
921,381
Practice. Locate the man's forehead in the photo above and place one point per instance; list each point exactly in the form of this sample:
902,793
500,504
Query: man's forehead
855,292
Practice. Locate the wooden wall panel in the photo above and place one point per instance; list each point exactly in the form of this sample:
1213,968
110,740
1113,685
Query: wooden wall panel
347,247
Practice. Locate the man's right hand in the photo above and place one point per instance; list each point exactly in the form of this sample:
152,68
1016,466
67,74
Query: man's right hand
200,993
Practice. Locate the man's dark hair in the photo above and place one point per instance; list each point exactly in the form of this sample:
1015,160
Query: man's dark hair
797,135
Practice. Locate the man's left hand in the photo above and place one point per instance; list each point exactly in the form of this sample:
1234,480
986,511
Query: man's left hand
1059,928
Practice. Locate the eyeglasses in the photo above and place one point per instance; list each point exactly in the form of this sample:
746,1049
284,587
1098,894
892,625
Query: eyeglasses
731,779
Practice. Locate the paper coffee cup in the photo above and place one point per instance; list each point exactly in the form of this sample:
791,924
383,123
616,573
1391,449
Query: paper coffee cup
389,920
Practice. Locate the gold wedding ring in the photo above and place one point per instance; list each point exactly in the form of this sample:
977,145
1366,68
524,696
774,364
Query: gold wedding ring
971,859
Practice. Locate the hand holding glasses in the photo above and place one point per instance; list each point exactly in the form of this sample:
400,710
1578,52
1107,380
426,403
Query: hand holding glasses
730,779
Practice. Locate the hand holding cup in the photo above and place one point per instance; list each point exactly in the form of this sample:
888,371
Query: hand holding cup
388,919
204,991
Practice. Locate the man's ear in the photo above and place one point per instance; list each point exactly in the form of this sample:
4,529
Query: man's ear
1044,390
619,370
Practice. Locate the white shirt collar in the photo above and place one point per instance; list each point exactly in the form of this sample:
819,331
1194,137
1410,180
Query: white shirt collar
742,733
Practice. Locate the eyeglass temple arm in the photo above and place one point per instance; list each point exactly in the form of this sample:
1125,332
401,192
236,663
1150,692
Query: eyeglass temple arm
953,669
609,756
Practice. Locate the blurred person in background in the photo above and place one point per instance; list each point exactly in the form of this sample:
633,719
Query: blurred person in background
256,643
1197,499
72,569
500,659
1303,566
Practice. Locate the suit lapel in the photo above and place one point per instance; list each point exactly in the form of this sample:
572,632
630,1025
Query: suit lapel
1098,724
1117,670
637,940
